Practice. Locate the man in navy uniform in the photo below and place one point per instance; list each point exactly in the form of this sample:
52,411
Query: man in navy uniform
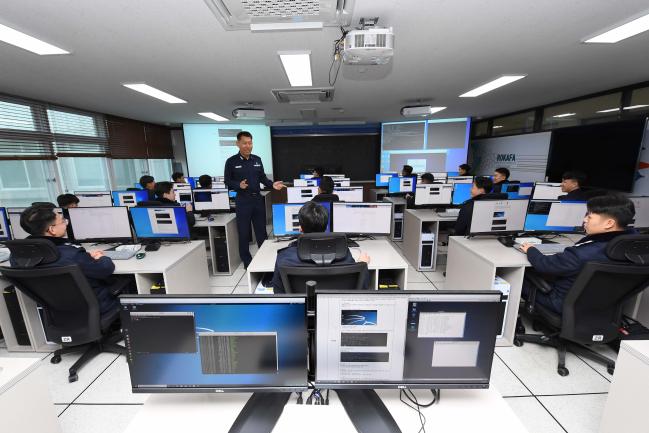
243,173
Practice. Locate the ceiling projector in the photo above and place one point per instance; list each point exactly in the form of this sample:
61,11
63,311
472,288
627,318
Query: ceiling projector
248,113
370,46
420,110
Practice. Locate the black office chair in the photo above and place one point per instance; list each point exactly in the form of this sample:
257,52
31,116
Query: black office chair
71,310
592,309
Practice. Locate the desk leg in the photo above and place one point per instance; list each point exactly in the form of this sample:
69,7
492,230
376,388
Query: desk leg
210,237
34,325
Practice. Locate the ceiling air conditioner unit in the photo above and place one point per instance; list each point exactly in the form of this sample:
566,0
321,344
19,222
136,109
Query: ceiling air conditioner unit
372,46
248,113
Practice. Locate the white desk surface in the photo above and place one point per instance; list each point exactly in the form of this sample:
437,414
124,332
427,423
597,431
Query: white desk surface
430,215
638,348
459,411
14,369
220,219
382,255
155,261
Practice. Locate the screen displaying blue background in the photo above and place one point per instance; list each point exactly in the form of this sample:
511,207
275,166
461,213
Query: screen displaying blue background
394,186
380,175
287,320
461,192
137,185
279,219
5,225
209,145
515,194
141,195
143,228
536,222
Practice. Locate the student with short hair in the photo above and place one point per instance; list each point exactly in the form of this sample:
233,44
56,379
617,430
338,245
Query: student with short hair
313,218
148,183
205,181
427,178
480,190
67,201
318,172
571,183
608,217
406,170
464,170
501,176
177,177
326,191
166,196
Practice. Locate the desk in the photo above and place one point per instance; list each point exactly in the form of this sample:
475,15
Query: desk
224,242
385,261
421,237
25,403
181,266
626,405
463,411
377,194
398,208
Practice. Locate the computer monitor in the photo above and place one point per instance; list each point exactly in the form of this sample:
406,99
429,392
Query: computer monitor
5,233
129,198
160,223
219,185
349,193
517,190
440,176
306,182
452,173
97,224
306,176
215,343
461,193
383,179
342,182
405,339
94,198
285,218
641,220
13,215
300,194
335,176
232,194
547,191
192,181
402,184
459,179
183,193
555,216
362,218
433,194
211,199
137,185
498,217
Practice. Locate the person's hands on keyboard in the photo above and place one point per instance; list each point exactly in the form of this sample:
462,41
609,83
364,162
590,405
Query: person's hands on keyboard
135,247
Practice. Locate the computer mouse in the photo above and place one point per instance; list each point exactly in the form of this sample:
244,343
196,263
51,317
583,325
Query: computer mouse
140,255
210,219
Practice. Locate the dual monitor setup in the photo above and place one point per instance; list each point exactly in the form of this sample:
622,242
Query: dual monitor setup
212,199
362,340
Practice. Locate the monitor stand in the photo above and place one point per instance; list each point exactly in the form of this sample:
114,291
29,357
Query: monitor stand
261,412
366,411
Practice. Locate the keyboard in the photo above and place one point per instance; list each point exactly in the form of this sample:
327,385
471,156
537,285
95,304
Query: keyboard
124,253
548,249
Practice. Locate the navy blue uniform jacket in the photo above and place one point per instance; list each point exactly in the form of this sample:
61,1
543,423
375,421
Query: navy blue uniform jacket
288,257
576,195
238,168
567,265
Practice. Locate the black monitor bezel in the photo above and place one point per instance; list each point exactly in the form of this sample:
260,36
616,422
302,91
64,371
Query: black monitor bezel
226,389
504,232
333,217
552,232
433,205
396,384
227,192
163,238
102,239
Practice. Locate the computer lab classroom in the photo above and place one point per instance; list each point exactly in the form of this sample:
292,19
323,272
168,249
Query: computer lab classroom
256,216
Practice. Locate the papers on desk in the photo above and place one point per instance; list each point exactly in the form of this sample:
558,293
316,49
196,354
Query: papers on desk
262,290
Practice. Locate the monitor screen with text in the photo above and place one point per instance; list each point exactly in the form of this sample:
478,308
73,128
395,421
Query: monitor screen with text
362,218
100,223
498,216
431,194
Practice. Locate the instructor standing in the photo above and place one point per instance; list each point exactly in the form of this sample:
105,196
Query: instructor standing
243,173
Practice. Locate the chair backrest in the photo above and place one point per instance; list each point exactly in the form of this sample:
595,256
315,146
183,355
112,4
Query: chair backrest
592,309
322,248
70,305
336,277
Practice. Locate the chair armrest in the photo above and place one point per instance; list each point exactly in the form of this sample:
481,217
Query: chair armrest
119,286
539,283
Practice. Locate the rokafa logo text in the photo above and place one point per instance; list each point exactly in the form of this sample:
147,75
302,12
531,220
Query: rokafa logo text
506,157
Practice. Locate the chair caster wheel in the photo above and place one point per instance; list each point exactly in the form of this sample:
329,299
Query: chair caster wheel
73,377
55,359
610,369
520,329
563,371
517,342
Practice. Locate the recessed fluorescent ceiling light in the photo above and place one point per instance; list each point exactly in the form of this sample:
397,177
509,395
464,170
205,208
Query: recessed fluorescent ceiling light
214,116
564,115
497,126
609,110
29,43
498,82
633,107
297,66
155,93
622,32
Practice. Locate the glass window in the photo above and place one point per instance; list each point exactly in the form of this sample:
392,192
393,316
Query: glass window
160,169
84,174
62,122
16,116
639,101
127,172
592,110
514,124
24,182
481,129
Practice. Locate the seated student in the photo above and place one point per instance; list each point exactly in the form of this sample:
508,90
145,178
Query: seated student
43,223
479,191
325,191
205,181
427,178
501,175
406,170
318,172
464,170
44,204
166,196
608,217
571,183
148,183
313,218
177,177
67,201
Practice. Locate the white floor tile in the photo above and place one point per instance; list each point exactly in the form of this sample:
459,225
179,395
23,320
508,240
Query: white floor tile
59,408
415,276
4,353
601,368
439,285
113,386
221,290
435,276
227,280
420,286
97,418
577,413
505,381
533,415
536,366
63,391
242,288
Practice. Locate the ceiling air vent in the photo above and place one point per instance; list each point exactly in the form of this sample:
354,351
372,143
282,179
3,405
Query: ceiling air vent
260,15
312,95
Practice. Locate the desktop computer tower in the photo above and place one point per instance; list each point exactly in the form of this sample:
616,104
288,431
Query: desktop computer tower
503,286
426,253
16,316
221,255
397,232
